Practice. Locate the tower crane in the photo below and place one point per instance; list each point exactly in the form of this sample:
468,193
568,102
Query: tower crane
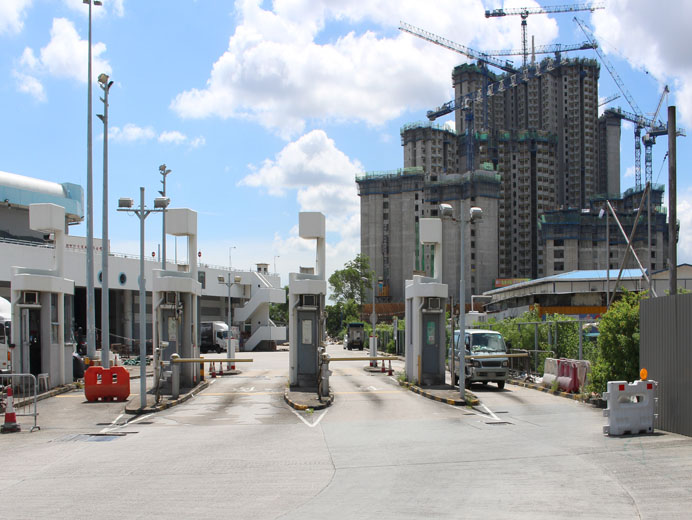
555,48
484,60
607,100
639,120
524,12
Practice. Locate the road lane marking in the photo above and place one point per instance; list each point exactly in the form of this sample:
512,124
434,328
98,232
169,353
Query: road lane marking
310,425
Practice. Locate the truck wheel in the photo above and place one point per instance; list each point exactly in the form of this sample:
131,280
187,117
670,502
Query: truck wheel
456,380
500,385
467,384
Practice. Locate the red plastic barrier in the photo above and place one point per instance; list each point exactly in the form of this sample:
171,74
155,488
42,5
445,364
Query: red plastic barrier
107,384
572,374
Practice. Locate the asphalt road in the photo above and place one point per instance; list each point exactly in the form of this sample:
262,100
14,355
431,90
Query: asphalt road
237,450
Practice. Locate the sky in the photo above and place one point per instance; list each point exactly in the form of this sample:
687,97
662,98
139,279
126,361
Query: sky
264,109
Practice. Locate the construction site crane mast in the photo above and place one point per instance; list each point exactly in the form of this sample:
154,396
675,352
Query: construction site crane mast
524,12
639,120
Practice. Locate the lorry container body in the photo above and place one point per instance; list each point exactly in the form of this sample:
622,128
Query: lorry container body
355,336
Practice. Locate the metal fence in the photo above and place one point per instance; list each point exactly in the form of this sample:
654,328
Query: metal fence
664,350
25,396
385,337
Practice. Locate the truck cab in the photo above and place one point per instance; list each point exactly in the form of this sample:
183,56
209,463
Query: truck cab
482,344
214,336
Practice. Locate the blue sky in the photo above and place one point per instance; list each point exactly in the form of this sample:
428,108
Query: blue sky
265,109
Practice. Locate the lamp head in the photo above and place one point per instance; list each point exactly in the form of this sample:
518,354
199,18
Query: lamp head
125,202
446,210
161,202
476,213
221,279
103,79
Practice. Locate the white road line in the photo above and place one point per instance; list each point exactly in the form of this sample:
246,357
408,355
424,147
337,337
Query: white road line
306,422
490,413
110,427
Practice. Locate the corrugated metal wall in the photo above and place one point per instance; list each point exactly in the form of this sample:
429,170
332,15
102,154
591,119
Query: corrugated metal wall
665,350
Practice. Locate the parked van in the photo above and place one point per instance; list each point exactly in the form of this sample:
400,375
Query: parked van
480,343
214,336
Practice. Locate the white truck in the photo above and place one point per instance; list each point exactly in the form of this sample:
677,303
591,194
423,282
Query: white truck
488,363
214,336
5,336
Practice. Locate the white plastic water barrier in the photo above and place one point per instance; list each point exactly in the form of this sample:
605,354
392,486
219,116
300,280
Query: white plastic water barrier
630,407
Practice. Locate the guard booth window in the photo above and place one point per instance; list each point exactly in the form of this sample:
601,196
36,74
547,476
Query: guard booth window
202,278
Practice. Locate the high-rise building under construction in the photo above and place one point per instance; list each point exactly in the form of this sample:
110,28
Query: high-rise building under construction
540,140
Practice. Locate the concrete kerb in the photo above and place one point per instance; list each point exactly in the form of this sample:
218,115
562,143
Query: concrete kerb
584,398
306,399
133,405
442,394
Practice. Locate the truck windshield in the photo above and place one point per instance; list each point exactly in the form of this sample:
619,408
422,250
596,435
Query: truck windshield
487,342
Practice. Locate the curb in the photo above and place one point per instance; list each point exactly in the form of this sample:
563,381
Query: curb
63,389
582,398
168,404
303,407
473,401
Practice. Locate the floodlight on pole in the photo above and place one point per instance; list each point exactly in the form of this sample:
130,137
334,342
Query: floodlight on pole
164,173
91,312
475,213
105,84
126,204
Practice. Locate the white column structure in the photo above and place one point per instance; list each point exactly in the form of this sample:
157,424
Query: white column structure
48,218
426,300
186,288
312,225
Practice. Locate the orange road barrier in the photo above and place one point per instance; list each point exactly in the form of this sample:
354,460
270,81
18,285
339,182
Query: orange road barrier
107,384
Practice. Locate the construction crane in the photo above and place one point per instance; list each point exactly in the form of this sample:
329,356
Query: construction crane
482,57
607,100
555,48
639,120
524,12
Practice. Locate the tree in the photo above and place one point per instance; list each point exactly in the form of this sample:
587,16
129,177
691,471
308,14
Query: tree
347,283
278,312
618,342
339,315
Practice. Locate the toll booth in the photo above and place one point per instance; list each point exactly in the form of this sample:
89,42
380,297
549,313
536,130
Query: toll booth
426,301
175,297
42,302
306,301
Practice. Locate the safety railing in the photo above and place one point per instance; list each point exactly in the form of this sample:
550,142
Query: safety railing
177,362
24,396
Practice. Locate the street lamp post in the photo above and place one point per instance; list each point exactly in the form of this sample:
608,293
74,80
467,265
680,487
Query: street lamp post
230,259
474,214
105,84
164,173
125,204
91,312
230,348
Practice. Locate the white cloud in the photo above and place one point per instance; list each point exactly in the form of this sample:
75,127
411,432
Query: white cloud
322,177
310,162
629,172
29,85
684,215
65,56
276,71
12,14
655,38
198,142
174,137
131,133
